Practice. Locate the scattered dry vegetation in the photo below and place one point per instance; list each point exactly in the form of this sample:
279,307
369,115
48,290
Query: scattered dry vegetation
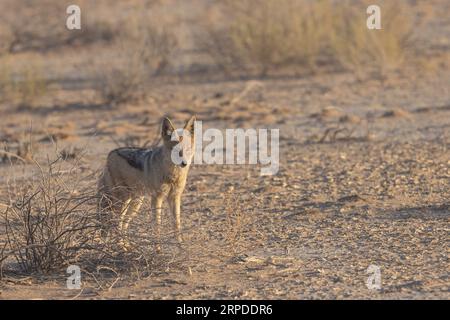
246,38
359,49
142,51
48,224
264,35
18,150
334,168
42,28
51,221
22,85
267,35
239,222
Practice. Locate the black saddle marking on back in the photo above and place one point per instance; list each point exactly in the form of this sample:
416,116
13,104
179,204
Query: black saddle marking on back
134,156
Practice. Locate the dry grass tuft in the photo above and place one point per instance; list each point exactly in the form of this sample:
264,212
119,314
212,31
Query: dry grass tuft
239,230
19,150
360,50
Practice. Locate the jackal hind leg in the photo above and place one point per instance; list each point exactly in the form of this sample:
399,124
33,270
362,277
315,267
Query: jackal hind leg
105,214
125,205
133,209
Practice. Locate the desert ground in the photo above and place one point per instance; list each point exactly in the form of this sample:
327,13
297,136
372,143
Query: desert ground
364,176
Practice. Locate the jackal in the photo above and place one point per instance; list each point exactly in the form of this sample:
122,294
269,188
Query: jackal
132,173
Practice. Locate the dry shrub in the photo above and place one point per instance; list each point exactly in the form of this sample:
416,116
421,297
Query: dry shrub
18,148
358,49
259,37
22,85
239,231
52,221
142,51
23,152
237,221
49,221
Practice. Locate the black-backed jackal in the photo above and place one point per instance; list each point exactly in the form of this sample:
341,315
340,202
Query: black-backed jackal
131,174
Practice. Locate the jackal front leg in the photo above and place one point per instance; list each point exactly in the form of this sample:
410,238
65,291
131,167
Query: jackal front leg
157,208
175,204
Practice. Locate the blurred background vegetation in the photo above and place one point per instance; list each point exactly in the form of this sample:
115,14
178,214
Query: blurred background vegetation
124,46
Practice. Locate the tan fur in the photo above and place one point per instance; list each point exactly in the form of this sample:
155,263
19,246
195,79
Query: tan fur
131,174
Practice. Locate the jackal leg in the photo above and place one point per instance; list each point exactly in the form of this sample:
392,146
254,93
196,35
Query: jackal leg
175,204
157,207
123,214
133,209
104,215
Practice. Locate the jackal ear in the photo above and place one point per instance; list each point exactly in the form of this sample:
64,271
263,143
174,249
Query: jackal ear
167,129
189,126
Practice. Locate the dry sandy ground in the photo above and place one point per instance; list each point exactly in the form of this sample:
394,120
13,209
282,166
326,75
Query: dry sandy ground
379,195
364,180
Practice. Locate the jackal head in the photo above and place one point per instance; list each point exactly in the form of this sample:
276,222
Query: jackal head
179,141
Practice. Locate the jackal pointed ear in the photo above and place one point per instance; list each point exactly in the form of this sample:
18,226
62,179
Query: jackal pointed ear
167,129
189,126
